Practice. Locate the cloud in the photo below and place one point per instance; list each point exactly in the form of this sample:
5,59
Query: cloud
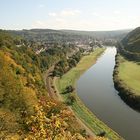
52,14
62,23
69,12
56,20
65,13
70,19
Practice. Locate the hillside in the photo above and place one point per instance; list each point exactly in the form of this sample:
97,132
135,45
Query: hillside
52,36
132,41
69,36
127,69
26,109
117,34
130,45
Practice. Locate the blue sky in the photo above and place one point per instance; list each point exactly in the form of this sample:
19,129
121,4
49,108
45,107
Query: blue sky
70,14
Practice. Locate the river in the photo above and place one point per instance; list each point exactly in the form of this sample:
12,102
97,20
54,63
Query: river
96,89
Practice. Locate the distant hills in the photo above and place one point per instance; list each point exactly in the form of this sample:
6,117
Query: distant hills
49,35
101,34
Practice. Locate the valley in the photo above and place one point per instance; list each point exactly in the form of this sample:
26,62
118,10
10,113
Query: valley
50,86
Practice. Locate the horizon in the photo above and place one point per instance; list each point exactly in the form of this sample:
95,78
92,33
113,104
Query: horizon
89,15
71,29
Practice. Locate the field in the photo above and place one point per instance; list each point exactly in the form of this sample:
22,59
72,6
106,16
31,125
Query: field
82,112
129,73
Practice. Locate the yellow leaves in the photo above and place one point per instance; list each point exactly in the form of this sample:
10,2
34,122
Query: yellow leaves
68,136
37,77
30,96
7,58
37,107
77,136
47,125
101,138
57,123
31,77
13,137
23,80
8,122
43,127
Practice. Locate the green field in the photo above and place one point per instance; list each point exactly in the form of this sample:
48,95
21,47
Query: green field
82,112
129,73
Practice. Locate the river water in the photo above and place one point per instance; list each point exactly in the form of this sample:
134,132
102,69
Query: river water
96,89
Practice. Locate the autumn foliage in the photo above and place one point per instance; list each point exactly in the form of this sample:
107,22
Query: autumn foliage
26,111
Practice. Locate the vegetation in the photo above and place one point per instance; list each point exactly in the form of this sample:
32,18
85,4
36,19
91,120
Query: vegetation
130,45
21,85
132,41
127,69
82,112
52,121
49,36
126,80
131,76
69,89
65,65
26,111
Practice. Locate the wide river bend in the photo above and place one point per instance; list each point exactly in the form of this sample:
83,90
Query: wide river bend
96,89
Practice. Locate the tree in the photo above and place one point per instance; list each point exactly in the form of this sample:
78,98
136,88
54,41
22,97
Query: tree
69,89
71,99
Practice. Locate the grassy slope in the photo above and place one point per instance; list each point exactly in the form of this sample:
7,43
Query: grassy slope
129,73
82,112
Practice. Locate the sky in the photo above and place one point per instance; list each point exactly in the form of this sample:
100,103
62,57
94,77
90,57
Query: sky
90,15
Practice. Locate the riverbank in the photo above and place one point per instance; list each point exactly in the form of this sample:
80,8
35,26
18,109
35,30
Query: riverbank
126,80
79,108
53,93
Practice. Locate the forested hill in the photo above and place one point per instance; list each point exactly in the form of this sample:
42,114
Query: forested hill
132,41
116,34
26,110
129,46
72,36
50,36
